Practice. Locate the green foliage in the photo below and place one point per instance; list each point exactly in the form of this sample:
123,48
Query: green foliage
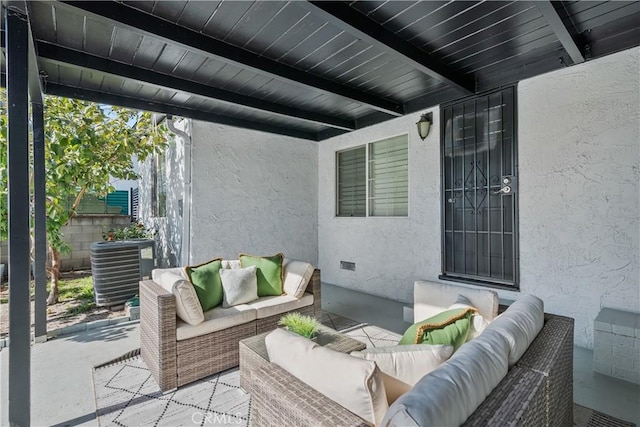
79,293
80,289
76,289
133,231
306,326
86,144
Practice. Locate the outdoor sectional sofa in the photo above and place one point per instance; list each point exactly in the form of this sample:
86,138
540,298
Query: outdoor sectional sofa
178,353
537,389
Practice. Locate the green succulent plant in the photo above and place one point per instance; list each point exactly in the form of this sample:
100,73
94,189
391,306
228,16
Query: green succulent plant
305,326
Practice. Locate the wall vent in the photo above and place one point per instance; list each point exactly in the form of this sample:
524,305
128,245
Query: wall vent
346,265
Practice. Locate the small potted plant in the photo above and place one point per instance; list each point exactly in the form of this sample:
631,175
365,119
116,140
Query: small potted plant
297,323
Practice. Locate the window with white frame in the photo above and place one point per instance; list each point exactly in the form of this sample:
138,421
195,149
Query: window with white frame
373,180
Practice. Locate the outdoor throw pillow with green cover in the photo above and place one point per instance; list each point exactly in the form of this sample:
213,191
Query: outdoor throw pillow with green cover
206,281
269,273
451,327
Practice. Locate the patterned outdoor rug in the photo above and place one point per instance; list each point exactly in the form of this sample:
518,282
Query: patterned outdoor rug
127,395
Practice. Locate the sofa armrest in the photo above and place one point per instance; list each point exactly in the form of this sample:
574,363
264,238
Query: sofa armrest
551,354
314,287
158,333
430,298
279,398
539,389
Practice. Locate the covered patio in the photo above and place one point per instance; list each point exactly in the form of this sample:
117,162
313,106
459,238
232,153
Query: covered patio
276,91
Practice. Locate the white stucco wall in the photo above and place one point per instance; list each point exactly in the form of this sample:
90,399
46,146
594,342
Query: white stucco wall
252,192
579,199
579,152
390,253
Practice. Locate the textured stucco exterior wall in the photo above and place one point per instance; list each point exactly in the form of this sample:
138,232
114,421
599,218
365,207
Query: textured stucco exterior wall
252,192
390,253
579,152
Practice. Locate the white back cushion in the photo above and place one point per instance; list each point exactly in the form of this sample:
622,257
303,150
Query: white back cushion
156,273
351,382
431,298
403,365
520,324
296,277
188,307
231,264
448,395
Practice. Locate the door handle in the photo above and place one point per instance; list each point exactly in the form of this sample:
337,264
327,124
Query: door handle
504,190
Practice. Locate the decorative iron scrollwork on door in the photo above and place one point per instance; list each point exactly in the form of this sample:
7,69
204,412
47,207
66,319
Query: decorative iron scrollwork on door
479,189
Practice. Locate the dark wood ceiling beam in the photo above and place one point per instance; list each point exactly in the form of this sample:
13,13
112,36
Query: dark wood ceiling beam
555,22
65,56
195,41
35,84
350,20
138,104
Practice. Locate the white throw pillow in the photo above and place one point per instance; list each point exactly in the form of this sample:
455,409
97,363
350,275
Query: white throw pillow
188,307
240,285
478,322
520,324
403,365
351,382
296,277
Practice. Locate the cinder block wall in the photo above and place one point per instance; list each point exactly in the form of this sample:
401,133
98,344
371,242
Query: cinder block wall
79,234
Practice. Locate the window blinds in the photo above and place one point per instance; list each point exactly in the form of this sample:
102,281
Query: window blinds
389,177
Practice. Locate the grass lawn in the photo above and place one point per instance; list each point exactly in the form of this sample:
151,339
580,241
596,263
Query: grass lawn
75,293
78,290
75,303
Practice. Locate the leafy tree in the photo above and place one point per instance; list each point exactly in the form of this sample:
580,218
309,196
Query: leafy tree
86,144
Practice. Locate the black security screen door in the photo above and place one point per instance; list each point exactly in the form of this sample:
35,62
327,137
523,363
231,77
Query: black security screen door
480,190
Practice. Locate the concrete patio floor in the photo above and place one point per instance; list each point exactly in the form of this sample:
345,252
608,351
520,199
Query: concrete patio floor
62,389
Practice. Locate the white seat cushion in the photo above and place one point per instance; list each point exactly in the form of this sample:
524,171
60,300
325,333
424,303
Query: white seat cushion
216,319
520,324
353,383
448,395
296,276
188,307
403,365
271,306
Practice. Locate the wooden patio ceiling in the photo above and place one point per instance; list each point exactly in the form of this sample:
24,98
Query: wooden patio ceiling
312,69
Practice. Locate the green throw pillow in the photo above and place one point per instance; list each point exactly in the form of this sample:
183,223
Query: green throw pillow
269,272
206,281
450,327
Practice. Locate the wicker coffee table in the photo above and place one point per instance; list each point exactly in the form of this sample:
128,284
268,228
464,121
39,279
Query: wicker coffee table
253,352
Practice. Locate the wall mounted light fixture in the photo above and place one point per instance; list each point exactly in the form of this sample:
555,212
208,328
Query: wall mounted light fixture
424,124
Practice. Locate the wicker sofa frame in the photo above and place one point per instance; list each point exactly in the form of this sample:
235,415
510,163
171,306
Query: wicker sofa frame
537,391
175,363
